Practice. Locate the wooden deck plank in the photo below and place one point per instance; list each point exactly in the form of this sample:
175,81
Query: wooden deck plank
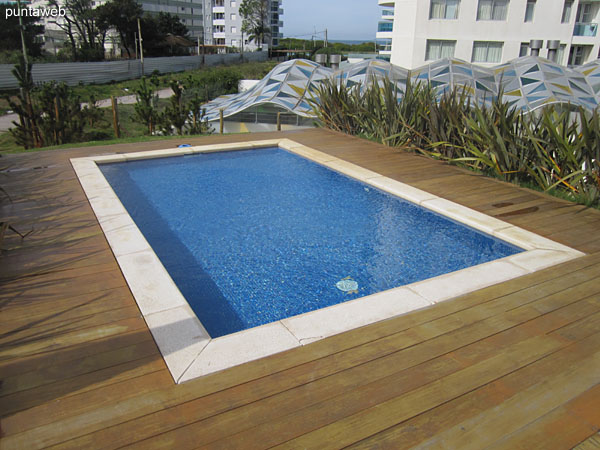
340,424
155,423
384,364
558,428
421,428
65,305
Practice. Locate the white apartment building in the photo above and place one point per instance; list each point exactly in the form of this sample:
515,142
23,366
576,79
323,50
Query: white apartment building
223,24
487,32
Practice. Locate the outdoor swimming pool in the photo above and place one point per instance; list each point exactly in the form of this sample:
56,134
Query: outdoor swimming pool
252,237
280,238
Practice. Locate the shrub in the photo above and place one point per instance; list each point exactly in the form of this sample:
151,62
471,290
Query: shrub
554,148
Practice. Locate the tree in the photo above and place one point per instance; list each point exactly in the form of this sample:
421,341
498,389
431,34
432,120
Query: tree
177,112
255,24
145,108
10,38
122,15
171,24
86,35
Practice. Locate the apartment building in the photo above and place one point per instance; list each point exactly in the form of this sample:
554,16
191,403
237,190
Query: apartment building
223,24
488,32
213,22
190,12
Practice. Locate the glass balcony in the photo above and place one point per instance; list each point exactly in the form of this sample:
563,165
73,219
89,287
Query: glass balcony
385,27
387,12
585,29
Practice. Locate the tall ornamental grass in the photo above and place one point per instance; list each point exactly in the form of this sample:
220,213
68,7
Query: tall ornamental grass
555,148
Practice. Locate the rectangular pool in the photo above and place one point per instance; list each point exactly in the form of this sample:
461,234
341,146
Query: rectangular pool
240,251
251,237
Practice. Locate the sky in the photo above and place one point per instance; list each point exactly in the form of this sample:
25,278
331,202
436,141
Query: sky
344,19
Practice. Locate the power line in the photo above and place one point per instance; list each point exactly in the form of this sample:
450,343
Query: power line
307,34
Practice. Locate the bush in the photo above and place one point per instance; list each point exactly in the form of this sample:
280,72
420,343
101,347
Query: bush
555,148
49,114
215,82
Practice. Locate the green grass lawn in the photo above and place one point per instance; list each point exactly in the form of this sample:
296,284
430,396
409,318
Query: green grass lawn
250,71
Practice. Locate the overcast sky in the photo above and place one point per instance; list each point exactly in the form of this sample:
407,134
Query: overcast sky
344,19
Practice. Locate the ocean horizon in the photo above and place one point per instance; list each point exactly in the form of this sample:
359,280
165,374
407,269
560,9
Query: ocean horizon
346,41
351,41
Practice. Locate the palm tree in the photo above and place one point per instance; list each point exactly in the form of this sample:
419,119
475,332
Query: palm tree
256,20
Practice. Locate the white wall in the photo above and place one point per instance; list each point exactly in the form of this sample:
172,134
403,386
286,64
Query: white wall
412,29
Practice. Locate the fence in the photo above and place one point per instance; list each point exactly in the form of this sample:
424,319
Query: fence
107,71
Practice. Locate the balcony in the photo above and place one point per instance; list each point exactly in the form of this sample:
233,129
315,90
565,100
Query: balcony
387,2
585,29
218,9
387,14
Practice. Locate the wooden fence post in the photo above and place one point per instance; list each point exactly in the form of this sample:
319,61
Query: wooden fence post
221,121
279,121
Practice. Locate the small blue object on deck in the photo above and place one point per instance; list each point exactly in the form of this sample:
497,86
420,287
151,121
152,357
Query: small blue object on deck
183,145
255,236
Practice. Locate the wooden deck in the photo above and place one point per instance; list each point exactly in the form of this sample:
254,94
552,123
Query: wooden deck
515,365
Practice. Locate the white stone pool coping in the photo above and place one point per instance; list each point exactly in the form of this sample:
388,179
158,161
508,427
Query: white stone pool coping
187,348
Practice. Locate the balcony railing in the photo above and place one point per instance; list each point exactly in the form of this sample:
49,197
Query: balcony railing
387,12
585,29
385,26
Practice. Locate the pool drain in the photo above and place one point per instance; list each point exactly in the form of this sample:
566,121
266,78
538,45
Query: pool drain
347,285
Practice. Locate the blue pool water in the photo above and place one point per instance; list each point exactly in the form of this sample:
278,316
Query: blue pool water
255,236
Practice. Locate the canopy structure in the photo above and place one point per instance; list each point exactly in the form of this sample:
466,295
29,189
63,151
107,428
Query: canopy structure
527,83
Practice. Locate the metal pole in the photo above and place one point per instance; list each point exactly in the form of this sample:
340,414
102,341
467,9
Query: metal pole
141,46
203,48
24,48
325,37
198,45
278,121
135,40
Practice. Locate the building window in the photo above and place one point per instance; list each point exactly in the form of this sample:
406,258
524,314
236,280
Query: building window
233,30
524,49
578,54
234,42
584,13
492,9
218,16
560,54
439,49
529,9
233,17
385,27
443,9
233,4
566,14
487,52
